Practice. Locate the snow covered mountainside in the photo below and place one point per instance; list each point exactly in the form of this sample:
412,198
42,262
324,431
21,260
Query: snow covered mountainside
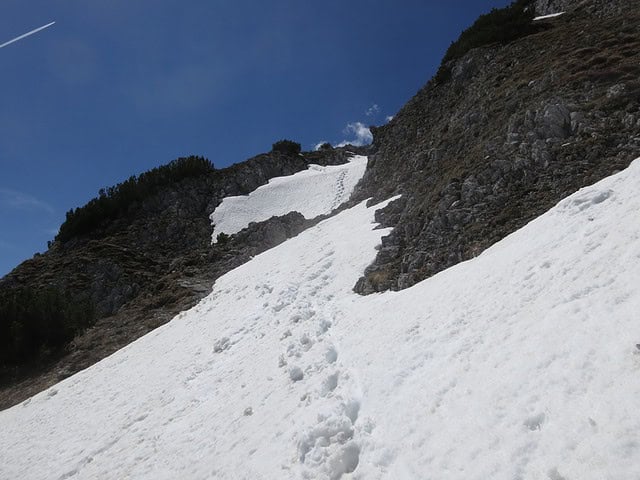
312,192
520,363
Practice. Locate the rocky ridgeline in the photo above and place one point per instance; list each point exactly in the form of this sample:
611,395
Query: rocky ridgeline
515,129
151,262
597,8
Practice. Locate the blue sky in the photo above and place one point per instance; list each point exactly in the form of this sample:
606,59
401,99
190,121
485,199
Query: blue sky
117,87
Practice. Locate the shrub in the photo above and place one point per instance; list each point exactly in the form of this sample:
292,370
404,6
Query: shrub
113,201
222,238
500,25
288,147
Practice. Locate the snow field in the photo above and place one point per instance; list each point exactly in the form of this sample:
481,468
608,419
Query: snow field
518,364
312,192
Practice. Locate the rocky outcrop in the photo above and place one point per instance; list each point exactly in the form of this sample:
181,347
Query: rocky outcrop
548,7
597,8
513,131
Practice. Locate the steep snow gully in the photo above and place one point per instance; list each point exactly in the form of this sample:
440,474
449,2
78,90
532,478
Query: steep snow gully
519,364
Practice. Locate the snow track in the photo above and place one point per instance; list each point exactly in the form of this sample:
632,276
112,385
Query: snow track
330,444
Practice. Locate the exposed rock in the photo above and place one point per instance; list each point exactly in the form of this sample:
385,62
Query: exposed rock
513,131
599,8
548,7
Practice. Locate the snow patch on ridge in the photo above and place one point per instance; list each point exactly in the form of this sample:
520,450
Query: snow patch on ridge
545,17
312,192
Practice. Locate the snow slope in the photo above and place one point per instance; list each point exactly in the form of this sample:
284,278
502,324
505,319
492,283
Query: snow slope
519,364
213,393
312,192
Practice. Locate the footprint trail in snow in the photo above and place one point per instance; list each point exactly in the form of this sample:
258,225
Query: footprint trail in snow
250,380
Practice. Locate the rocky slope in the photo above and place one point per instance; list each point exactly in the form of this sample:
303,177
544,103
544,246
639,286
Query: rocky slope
515,129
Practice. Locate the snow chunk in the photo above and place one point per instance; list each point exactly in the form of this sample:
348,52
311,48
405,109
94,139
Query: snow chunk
296,374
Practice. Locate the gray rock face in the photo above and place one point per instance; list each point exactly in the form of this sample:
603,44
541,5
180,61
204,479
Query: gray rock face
513,131
548,7
598,8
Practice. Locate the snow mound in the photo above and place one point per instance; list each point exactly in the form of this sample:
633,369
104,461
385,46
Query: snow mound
311,192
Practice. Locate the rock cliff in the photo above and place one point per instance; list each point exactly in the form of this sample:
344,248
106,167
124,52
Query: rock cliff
515,129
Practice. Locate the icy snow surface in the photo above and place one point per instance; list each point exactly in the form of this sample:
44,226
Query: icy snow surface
518,364
312,192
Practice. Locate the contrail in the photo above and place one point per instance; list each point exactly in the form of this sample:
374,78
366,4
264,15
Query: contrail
26,34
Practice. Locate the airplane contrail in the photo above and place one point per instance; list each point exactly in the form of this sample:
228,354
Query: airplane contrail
26,34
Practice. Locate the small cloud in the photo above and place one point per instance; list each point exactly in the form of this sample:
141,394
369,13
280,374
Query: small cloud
22,201
361,135
317,146
388,118
372,110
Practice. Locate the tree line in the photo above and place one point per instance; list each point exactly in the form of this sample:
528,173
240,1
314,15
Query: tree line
111,202
500,25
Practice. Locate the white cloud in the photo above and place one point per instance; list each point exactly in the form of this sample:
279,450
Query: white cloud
388,118
372,110
360,133
319,144
22,201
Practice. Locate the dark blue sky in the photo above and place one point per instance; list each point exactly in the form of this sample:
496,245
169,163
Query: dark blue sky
117,87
